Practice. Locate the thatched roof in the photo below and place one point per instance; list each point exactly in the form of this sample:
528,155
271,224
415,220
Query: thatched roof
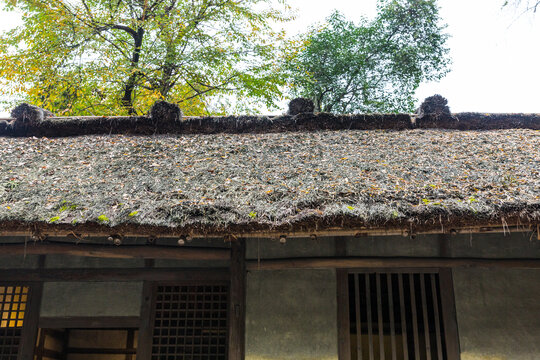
236,183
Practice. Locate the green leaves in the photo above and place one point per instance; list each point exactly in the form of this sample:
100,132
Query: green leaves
103,57
374,66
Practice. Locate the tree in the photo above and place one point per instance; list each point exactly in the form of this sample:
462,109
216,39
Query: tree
374,66
527,4
120,56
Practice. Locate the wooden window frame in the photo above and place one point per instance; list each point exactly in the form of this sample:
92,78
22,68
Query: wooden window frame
146,326
448,308
235,278
235,275
89,322
128,350
31,317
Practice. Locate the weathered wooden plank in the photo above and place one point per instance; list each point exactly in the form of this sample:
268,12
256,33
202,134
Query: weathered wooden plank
369,320
116,274
100,351
58,231
389,262
414,318
391,314
436,315
100,322
146,322
425,316
237,302
344,341
30,325
402,317
358,317
449,314
380,323
117,252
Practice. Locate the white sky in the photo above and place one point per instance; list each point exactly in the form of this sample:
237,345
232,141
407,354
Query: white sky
495,52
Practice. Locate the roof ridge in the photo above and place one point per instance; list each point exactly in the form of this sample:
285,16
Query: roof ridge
145,125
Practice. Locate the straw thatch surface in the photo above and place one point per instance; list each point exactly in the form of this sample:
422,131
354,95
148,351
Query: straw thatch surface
246,182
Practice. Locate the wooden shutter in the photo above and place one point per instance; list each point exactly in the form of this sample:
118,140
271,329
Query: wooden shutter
393,315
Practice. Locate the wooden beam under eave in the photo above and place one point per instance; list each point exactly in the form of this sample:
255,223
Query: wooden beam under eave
116,252
389,262
52,231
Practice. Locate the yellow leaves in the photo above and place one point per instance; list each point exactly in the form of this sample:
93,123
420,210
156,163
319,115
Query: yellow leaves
77,56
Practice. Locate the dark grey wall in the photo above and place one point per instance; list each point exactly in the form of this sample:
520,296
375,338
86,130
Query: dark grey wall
19,261
91,299
265,248
291,314
498,313
165,263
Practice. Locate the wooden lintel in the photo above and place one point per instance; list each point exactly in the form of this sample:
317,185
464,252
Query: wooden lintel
388,262
100,322
116,274
116,252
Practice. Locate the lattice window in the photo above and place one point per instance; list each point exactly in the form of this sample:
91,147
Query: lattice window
13,301
9,343
190,322
396,316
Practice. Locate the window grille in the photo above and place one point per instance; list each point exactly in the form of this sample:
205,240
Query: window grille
13,301
396,316
190,322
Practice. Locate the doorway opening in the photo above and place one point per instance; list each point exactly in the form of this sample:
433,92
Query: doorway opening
87,344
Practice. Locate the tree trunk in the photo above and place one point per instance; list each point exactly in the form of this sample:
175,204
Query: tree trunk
127,99
169,66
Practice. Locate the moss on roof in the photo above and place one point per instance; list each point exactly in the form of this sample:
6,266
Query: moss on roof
220,182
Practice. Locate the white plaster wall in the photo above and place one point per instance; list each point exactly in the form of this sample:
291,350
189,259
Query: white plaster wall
498,313
291,314
62,299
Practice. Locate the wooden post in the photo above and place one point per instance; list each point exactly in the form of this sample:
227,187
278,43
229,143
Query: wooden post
448,309
146,327
344,345
30,325
237,301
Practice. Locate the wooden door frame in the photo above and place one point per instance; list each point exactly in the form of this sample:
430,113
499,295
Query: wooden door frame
447,300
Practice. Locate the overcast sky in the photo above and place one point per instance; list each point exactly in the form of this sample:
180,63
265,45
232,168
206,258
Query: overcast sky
495,52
